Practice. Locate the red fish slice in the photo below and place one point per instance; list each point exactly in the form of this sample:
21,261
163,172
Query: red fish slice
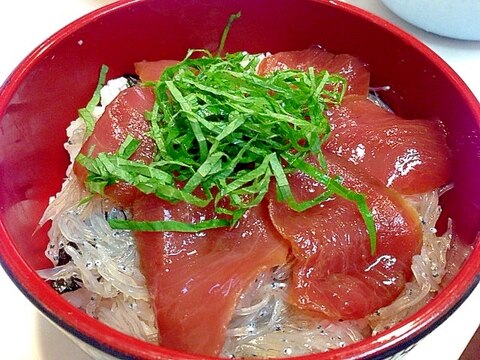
196,278
348,66
123,116
410,156
152,70
334,272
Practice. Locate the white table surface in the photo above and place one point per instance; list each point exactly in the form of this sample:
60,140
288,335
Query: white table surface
25,334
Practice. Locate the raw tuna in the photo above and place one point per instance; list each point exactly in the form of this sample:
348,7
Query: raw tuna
126,115
152,70
123,116
334,272
348,66
410,156
196,279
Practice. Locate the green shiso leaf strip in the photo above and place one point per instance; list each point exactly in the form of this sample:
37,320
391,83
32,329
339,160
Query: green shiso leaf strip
168,225
224,133
86,113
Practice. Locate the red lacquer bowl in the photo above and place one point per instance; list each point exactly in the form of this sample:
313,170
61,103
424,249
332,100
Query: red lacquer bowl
42,96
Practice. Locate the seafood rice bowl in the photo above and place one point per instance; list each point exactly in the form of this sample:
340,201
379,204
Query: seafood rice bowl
213,192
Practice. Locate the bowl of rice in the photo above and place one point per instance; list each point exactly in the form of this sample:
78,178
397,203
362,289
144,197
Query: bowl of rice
89,253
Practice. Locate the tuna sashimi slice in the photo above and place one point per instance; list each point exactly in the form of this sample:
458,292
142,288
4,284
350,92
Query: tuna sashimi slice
123,116
195,279
152,70
350,67
410,156
334,272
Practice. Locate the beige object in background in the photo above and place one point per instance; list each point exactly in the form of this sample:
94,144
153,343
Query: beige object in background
459,19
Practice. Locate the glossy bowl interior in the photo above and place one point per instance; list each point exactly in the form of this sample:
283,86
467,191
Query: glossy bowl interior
42,96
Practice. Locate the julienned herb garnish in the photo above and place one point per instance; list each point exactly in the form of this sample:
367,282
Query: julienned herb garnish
222,129
86,112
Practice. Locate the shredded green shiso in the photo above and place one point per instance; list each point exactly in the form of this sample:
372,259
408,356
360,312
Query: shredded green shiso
221,128
86,112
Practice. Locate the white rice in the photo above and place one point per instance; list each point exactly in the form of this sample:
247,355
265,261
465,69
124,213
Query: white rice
104,266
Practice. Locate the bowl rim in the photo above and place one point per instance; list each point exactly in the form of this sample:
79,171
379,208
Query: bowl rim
399,338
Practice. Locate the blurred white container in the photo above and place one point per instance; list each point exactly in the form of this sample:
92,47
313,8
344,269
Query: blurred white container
459,19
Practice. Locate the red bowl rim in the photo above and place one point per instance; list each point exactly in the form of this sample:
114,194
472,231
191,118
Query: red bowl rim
113,342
